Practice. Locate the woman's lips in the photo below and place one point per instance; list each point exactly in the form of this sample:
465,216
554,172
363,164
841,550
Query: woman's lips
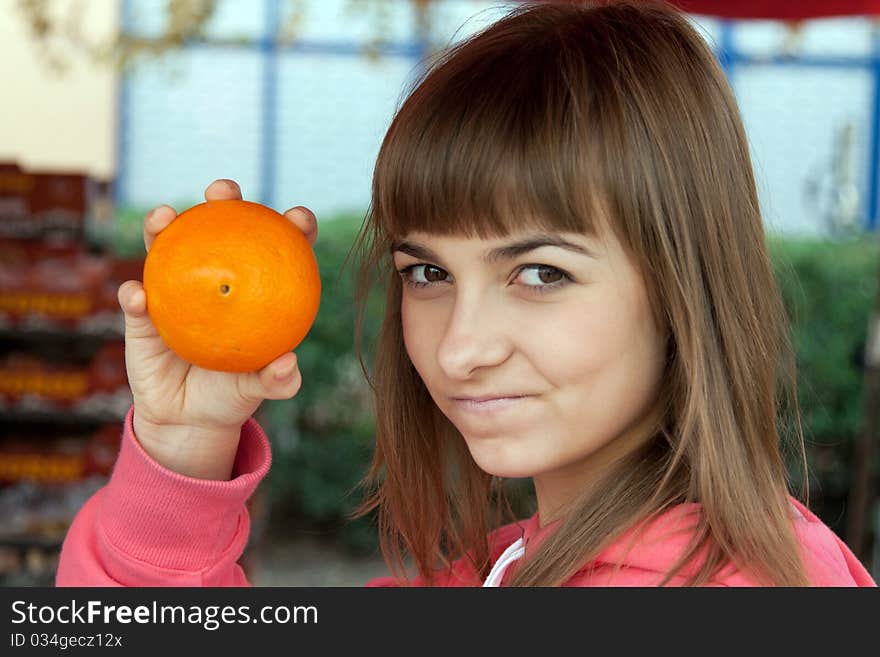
489,406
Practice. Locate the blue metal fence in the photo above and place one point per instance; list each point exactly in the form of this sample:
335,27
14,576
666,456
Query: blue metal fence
731,59
272,52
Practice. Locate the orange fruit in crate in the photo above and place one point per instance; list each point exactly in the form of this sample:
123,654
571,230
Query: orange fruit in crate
231,285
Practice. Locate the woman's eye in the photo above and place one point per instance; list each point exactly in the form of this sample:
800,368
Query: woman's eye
543,278
537,278
421,275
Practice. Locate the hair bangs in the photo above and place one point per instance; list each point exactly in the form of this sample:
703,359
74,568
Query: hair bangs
489,145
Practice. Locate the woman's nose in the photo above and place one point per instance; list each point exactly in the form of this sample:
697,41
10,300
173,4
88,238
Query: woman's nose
475,335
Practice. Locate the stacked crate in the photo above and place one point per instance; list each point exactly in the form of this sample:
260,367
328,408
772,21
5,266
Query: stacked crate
63,386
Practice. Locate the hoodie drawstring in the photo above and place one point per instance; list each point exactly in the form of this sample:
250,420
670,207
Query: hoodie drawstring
513,552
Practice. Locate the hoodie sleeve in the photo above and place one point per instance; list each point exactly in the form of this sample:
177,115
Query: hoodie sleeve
149,526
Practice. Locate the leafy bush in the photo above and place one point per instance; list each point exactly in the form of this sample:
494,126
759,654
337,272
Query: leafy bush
323,438
829,288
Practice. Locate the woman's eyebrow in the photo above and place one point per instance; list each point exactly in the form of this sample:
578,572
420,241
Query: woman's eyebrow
506,252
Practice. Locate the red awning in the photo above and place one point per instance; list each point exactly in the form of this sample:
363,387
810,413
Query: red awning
788,10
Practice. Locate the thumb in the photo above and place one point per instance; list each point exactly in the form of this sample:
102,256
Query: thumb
280,379
133,301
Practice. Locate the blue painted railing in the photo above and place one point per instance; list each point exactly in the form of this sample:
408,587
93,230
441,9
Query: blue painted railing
728,56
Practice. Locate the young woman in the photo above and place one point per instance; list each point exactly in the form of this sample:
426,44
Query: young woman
578,291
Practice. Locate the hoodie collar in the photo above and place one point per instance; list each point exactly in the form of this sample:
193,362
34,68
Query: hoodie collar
828,560
662,541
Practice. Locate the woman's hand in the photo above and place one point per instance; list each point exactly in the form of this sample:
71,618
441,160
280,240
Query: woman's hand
188,418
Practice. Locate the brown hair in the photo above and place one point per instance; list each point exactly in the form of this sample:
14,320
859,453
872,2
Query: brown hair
579,117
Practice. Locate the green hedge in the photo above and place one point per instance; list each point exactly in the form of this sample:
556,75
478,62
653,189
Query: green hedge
322,438
829,289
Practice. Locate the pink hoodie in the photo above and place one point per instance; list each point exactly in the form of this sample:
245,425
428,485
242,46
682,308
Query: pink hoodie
152,527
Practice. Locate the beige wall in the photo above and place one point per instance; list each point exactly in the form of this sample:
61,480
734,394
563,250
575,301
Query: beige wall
50,121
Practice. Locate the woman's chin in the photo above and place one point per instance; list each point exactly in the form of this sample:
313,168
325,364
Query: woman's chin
502,462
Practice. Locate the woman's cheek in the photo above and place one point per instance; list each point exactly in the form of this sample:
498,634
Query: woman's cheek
418,336
575,338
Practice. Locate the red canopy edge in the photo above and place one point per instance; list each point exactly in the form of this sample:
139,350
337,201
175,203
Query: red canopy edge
780,9
785,10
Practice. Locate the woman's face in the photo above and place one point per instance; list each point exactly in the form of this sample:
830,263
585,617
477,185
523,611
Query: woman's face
540,348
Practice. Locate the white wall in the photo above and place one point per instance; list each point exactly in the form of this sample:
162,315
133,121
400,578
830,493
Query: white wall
48,121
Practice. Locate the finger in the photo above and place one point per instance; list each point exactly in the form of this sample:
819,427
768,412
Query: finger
156,221
133,301
280,379
223,189
305,220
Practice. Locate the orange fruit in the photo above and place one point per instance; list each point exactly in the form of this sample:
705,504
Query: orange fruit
231,285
